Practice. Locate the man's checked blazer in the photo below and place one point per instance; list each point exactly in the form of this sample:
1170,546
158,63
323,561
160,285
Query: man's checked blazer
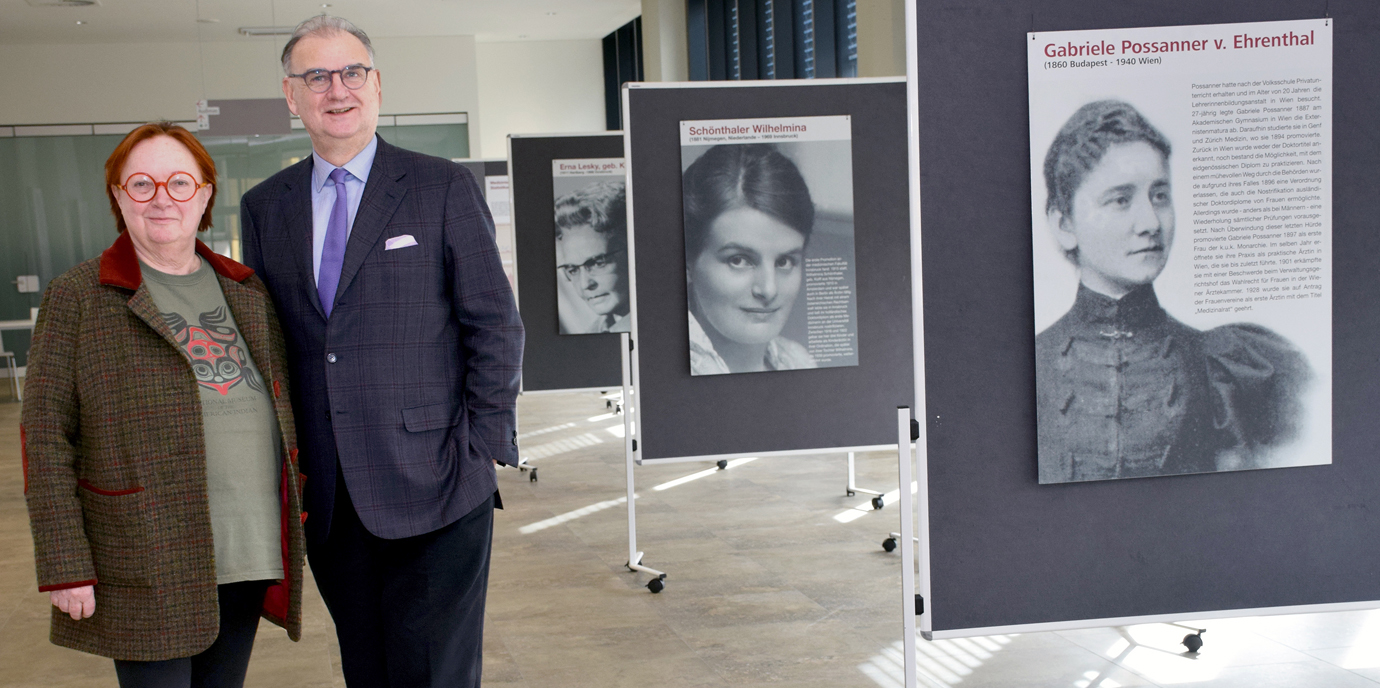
412,382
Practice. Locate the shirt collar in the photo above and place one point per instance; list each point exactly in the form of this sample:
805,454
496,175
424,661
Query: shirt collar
358,166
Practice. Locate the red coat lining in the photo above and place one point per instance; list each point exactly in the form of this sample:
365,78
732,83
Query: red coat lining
278,597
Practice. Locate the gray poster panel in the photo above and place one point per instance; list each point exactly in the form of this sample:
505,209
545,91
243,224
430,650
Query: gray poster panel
791,410
553,361
1006,551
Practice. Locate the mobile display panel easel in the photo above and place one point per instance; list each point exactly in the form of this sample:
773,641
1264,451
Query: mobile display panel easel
1001,553
782,413
553,362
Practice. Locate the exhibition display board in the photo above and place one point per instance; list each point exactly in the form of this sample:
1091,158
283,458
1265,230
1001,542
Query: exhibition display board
771,260
1149,257
560,356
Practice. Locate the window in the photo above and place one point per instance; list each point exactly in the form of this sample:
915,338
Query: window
772,39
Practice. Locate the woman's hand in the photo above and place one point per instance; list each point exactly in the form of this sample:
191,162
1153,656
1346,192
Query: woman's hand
80,603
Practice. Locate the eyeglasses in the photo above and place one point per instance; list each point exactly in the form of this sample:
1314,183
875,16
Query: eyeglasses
141,188
319,80
601,264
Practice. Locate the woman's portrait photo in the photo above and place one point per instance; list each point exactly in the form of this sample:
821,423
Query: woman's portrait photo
1124,387
752,221
592,257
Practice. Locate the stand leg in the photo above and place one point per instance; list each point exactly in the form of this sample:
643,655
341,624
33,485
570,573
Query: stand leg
908,611
627,409
853,485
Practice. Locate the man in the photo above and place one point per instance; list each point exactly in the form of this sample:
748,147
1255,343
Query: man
405,347
592,252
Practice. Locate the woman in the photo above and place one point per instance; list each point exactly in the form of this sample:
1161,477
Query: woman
159,459
592,254
1124,390
748,219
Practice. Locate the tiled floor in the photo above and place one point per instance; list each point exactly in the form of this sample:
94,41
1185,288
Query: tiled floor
775,578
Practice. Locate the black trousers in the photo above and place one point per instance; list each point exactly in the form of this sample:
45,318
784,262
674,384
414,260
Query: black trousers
407,612
224,663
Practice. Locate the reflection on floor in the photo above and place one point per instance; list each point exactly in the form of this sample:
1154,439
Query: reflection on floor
766,586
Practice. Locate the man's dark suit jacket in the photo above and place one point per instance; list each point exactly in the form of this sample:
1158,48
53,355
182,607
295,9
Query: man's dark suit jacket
412,382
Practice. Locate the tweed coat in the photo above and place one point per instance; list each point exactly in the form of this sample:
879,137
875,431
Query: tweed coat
411,385
115,461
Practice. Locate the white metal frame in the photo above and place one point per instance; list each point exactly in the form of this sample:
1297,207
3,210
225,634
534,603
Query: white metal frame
923,582
917,309
1155,618
632,404
517,269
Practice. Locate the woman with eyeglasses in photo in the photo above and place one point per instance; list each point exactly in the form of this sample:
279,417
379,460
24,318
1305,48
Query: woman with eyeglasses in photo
592,254
1124,390
748,220
158,438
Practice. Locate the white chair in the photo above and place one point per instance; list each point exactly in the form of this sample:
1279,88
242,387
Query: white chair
14,374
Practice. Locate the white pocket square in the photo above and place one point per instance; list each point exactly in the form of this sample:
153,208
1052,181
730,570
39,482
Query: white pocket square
399,242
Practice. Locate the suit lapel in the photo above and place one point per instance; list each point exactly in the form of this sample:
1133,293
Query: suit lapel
382,196
141,302
296,208
248,308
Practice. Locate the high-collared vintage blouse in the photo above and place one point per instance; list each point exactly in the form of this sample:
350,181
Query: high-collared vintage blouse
1124,390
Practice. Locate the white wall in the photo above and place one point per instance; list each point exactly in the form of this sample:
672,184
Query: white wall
538,87
664,41
54,84
881,38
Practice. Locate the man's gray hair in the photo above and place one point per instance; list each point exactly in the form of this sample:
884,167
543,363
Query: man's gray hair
324,24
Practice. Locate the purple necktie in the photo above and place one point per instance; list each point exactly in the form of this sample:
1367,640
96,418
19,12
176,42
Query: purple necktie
333,252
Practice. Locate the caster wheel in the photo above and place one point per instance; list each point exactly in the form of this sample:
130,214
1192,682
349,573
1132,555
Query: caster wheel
851,493
533,477
656,586
1193,641
608,403
889,544
722,464
877,503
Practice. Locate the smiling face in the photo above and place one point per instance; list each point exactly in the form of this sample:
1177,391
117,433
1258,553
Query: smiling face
748,275
341,122
162,226
606,293
1122,223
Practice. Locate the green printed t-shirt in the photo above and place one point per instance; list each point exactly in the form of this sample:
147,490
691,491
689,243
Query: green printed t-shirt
243,465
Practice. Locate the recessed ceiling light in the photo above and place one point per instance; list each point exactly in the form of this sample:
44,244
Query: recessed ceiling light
80,23
324,5
265,30
550,14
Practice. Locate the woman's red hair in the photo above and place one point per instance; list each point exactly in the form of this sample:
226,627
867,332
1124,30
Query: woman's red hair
116,164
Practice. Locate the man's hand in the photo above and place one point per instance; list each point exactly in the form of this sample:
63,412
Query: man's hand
80,603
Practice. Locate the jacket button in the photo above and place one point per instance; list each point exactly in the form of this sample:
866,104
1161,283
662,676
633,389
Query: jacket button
330,358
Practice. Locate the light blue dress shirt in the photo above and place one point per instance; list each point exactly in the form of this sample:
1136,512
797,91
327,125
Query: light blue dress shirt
323,193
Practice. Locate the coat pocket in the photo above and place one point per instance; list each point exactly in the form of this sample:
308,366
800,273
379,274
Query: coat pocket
117,524
430,417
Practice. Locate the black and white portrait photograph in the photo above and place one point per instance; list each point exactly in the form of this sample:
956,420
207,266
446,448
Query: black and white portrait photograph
591,246
769,267
1179,328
